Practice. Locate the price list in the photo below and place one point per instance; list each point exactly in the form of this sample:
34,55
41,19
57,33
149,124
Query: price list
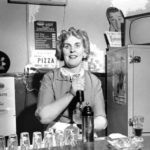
45,35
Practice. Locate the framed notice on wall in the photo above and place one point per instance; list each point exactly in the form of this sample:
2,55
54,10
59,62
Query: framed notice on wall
45,35
43,47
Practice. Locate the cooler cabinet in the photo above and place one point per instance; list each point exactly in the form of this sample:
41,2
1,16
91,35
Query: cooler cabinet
7,106
128,88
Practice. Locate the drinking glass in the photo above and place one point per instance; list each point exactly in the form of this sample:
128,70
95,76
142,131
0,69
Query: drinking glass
2,142
48,139
24,141
59,137
138,126
12,142
71,134
37,140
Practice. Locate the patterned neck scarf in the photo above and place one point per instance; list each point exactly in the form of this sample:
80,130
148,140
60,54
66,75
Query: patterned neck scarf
71,75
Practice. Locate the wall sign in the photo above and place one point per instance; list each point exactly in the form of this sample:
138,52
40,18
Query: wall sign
4,62
43,49
45,34
114,38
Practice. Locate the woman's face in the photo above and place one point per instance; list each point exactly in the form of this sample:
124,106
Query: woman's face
73,52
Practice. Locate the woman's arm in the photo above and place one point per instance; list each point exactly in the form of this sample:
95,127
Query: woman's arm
50,108
50,112
100,120
100,123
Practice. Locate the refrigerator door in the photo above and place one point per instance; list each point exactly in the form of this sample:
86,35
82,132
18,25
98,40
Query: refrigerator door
141,89
7,106
128,88
117,108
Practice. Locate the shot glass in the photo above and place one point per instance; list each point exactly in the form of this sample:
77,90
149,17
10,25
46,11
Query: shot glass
24,141
48,139
2,142
37,140
12,142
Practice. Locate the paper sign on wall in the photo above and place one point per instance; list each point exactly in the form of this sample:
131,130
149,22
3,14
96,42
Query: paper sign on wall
113,39
44,49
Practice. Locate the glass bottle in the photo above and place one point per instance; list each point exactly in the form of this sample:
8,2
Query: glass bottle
80,100
87,124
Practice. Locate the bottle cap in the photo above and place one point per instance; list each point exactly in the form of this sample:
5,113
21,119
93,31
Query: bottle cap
87,111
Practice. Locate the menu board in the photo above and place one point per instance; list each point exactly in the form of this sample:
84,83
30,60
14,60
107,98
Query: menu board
45,35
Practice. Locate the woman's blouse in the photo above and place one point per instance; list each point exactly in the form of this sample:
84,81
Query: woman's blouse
55,85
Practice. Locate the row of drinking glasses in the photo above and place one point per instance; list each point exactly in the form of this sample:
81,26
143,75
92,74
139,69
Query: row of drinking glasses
12,142
51,138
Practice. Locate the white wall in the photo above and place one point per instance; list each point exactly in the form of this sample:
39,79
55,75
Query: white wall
85,14
13,34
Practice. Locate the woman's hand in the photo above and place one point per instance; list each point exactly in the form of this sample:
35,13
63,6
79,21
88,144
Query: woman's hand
77,84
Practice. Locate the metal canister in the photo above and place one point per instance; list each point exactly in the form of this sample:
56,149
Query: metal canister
87,124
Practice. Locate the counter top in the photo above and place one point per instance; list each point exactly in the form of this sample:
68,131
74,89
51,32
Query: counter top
98,145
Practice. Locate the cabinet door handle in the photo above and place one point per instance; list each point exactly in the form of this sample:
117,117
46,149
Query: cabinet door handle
135,59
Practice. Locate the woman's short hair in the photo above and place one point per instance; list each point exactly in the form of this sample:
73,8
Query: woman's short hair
113,10
80,34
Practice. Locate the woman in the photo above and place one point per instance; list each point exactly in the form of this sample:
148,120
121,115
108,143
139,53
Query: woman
59,86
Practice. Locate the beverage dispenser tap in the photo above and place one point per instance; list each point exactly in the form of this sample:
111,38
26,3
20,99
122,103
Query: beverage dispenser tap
80,96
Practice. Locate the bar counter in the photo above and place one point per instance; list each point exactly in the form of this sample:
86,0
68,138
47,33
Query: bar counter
99,145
